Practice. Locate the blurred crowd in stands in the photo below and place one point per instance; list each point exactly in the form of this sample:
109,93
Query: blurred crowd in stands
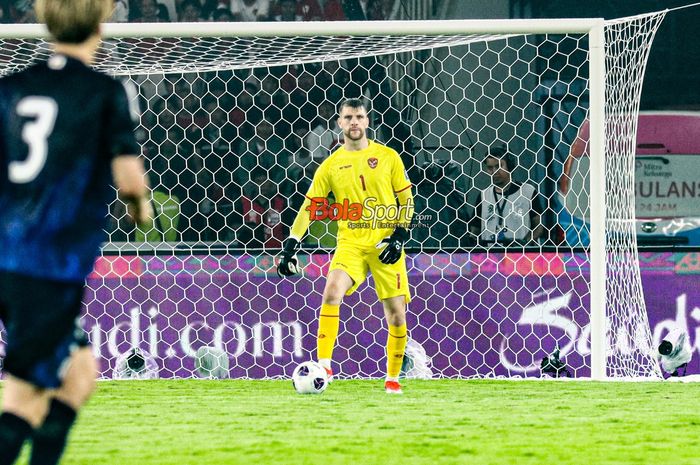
236,150
153,11
231,153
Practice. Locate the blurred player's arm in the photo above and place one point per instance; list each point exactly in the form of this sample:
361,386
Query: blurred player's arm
127,167
130,179
319,189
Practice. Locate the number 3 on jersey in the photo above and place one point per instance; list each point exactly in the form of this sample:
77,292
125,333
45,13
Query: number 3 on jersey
35,133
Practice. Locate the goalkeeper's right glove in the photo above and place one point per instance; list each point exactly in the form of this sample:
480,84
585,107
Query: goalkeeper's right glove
393,245
288,264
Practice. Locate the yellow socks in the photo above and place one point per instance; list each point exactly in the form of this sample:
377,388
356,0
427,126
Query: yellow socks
395,347
328,323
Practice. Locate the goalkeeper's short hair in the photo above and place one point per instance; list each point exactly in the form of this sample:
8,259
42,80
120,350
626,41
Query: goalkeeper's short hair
353,103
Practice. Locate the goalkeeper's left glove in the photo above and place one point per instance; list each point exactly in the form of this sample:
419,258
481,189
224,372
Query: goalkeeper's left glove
393,245
288,264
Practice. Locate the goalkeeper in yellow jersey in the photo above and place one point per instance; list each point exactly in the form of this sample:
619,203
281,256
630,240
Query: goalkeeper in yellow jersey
373,207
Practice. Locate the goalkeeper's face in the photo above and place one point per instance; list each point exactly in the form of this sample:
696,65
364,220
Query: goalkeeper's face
354,123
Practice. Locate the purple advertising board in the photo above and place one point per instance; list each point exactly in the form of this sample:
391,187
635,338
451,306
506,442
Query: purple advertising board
474,314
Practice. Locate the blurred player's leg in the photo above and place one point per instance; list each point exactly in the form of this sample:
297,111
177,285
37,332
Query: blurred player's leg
49,440
23,408
395,312
337,285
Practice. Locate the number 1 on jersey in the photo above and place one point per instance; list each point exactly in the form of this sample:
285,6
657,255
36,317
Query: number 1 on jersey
362,180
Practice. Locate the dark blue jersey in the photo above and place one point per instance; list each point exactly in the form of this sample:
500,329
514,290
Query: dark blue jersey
61,124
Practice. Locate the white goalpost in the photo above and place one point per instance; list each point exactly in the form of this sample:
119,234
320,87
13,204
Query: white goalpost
235,118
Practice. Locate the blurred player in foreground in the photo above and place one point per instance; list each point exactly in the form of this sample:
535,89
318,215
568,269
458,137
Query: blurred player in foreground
64,128
366,179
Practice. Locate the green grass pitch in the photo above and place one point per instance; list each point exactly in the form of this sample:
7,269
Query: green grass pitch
188,422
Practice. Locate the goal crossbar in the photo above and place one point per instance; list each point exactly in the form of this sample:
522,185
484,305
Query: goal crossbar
327,28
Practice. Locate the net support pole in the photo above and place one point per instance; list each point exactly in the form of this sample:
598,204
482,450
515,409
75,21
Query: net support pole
597,199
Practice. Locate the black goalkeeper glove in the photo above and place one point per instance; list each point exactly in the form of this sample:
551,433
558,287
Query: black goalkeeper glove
288,264
393,245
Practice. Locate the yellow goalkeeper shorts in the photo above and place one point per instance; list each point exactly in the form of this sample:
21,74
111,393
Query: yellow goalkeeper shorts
356,261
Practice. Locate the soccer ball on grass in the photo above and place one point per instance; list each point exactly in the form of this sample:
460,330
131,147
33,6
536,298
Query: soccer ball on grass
310,378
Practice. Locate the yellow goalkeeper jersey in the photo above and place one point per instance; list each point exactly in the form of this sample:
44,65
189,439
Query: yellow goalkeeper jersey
365,184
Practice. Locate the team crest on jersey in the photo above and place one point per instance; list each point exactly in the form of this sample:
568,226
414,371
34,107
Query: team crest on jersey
372,162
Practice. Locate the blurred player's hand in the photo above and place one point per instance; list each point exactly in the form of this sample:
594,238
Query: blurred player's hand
393,245
140,210
288,264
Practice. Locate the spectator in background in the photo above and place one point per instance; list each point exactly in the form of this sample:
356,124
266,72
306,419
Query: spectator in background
336,82
5,11
333,11
305,10
22,12
440,200
121,11
222,14
215,216
273,100
265,150
355,10
250,10
249,99
262,207
323,138
163,227
147,11
300,181
309,10
220,133
506,212
307,97
300,161
190,11
168,9
206,7
287,11
378,10
245,115
219,163
168,160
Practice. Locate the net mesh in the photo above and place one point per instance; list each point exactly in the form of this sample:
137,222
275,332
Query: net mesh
627,49
232,130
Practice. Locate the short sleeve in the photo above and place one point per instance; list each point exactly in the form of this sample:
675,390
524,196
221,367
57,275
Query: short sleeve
121,120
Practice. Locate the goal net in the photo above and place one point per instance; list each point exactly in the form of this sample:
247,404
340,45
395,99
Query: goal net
233,127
